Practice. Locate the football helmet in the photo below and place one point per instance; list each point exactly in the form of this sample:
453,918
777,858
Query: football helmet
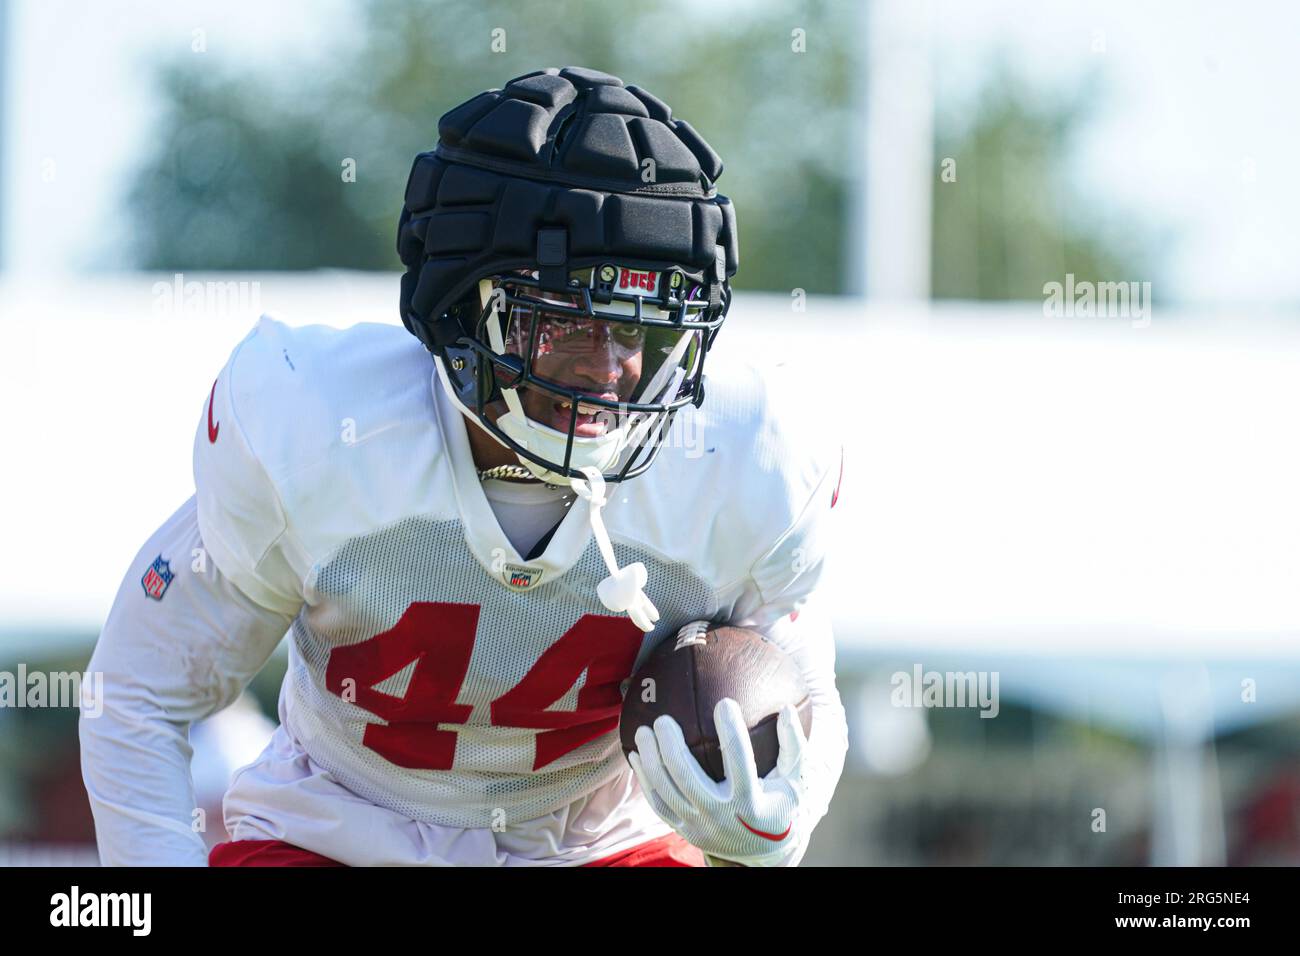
567,263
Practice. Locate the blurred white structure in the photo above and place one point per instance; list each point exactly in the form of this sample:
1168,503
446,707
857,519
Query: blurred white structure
1026,484
889,224
1101,504
5,60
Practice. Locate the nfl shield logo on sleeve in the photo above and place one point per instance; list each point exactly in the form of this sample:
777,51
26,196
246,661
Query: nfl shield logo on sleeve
157,578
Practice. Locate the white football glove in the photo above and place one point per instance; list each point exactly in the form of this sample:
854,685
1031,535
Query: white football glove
744,819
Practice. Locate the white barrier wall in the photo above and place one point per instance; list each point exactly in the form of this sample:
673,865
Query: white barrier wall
1057,486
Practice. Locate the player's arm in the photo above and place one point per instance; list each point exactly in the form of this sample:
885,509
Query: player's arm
767,821
809,640
165,662
181,649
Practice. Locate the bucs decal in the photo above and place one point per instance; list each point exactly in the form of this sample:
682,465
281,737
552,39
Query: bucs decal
637,282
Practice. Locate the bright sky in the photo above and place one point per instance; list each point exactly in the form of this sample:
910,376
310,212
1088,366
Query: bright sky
1200,132
1198,135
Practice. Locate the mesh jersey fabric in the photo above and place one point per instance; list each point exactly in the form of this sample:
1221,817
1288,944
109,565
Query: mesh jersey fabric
373,579
434,671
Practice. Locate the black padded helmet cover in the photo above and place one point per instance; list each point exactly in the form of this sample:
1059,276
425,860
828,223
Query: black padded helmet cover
561,169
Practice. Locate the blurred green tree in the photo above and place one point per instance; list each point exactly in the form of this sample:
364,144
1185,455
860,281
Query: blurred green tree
247,170
239,182
247,175
1011,221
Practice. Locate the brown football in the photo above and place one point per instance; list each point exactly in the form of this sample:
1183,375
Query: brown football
686,675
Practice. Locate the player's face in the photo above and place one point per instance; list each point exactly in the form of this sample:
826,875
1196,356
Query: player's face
593,356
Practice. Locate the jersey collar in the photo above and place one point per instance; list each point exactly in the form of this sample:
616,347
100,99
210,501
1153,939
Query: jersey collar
483,534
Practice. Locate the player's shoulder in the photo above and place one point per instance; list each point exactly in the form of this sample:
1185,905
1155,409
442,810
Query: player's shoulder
735,476
315,435
299,394
762,431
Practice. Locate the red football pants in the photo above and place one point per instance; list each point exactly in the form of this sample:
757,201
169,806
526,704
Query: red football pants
670,850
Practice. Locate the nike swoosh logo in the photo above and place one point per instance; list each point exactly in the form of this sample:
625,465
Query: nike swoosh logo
835,495
213,427
774,837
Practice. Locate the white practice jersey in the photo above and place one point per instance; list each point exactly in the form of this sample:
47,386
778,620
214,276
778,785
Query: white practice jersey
449,700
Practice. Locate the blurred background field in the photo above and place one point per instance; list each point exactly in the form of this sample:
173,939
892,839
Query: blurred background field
1098,508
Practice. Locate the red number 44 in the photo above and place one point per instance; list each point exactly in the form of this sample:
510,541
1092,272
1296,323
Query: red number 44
439,638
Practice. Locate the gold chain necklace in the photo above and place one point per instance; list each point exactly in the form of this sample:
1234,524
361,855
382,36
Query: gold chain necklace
508,472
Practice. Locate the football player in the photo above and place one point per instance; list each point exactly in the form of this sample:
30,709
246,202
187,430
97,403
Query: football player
471,555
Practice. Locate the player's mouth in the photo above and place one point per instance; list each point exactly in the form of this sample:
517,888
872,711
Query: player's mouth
593,420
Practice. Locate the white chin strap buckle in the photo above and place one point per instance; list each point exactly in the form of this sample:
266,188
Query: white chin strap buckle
621,592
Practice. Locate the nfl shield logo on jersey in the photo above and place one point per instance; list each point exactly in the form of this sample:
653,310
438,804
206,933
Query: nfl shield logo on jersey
157,578
521,577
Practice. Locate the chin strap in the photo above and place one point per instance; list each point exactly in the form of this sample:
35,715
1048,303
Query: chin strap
622,590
